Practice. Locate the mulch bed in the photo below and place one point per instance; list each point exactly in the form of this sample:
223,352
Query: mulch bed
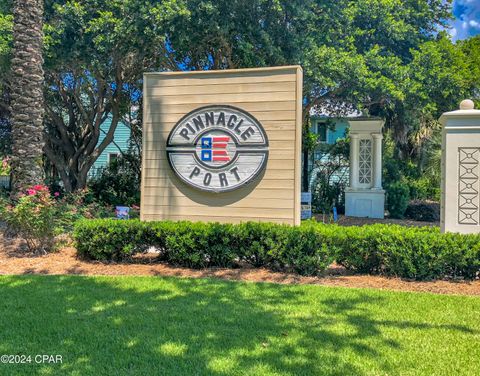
352,221
14,260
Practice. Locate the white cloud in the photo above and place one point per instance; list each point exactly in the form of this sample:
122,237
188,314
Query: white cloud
467,18
474,24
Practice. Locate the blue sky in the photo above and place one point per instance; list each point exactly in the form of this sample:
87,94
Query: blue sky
467,19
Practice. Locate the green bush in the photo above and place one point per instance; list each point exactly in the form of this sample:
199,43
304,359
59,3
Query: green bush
198,245
416,253
410,252
111,239
424,188
119,182
398,196
427,211
260,244
307,250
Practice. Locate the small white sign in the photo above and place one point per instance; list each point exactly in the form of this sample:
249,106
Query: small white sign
306,205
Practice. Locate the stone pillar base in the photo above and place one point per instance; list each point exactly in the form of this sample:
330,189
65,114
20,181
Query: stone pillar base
365,203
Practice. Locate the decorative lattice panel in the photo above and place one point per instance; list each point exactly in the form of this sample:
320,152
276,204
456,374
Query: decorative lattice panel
365,162
468,186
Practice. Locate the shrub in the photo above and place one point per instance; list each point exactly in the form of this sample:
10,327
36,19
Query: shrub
410,252
427,211
119,182
198,245
398,196
33,216
82,204
111,239
358,248
260,244
307,250
416,253
424,188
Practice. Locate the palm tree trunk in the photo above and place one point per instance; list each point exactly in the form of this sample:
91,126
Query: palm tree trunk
27,94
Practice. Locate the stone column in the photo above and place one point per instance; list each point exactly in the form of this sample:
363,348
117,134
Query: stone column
377,160
354,150
460,189
365,200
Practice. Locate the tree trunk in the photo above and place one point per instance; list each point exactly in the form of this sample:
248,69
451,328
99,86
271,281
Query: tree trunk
27,94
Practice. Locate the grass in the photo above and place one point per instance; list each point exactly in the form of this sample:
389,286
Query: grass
174,326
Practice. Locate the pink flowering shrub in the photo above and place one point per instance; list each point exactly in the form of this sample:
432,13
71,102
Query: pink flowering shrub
81,204
34,216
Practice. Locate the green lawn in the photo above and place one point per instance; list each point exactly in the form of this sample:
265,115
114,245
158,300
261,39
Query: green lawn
158,326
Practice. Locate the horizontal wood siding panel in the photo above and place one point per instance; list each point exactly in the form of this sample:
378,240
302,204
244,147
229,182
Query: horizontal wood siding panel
268,95
264,116
221,78
272,154
273,135
162,183
248,202
194,195
201,218
273,145
249,88
184,108
272,164
219,211
274,125
232,99
167,172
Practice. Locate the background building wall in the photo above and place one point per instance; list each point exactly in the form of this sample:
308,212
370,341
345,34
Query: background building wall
121,141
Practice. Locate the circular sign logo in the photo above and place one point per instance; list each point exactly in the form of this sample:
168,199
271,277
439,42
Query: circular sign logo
217,148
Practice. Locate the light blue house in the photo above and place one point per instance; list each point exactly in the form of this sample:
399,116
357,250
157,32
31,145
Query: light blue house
329,130
119,145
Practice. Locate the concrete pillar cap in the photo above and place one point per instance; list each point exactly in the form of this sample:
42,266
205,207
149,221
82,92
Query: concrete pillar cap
467,104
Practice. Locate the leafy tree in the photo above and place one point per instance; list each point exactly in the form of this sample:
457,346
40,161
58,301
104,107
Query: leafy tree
355,55
376,56
96,53
471,49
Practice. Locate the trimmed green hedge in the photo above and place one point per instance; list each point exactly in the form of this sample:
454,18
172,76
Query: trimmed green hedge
415,253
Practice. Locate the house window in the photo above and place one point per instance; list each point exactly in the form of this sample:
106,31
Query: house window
322,131
112,157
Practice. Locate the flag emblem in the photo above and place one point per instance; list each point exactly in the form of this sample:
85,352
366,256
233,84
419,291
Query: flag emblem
214,149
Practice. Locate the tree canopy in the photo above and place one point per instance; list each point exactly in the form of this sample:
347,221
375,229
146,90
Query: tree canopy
382,57
96,52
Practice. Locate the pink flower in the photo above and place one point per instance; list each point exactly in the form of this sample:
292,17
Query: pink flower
56,194
31,192
40,188
135,207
